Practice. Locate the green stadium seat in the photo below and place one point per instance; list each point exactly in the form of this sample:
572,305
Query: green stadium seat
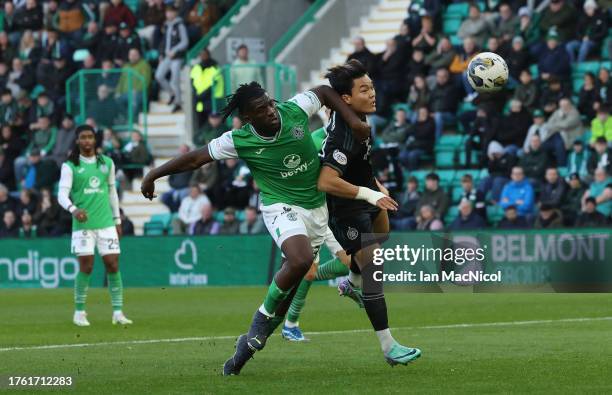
606,65
533,69
418,174
453,141
164,218
577,83
583,67
465,107
460,10
154,228
451,214
456,40
463,158
495,214
604,48
218,216
133,4
450,26
456,194
563,171
446,177
445,158
586,136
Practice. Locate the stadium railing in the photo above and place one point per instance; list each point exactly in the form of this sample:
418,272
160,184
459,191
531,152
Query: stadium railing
114,98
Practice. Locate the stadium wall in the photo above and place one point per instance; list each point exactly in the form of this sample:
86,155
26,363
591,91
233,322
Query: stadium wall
524,257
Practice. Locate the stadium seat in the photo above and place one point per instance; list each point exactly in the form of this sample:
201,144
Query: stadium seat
164,218
456,194
495,214
446,177
133,4
154,228
463,155
583,67
563,171
586,136
445,158
604,48
577,83
453,141
450,26
451,214
218,216
460,10
533,69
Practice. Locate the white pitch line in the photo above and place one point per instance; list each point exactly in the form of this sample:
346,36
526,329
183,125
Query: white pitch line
208,338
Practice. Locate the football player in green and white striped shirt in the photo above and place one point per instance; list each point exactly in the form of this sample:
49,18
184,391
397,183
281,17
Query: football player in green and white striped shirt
87,190
276,145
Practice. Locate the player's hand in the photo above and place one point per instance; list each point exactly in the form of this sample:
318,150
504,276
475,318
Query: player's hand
119,231
80,215
147,188
387,203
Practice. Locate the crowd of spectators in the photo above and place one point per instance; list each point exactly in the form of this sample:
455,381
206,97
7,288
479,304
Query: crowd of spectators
42,44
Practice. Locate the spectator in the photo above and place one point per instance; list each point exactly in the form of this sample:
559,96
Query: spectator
127,226
233,186
179,184
416,66
418,96
200,19
600,157
172,51
47,215
566,120
104,109
519,193
117,13
475,26
548,217
91,41
53,77
135,153
28,17
27,202
230,224
527,91
516,125
460,64
44,135
111,146
153,15
206,225
553,189
105,43
10,227
561,16
20,80
389,72
244,70
125,88
126,41
363,55
600,190
426,219
189,210
590,216
572,200
420,141
605,86
468,219
426,39
528,27
443,56
553,58
253,223
578,159
52,47
7,176
506,24
434,196
64,140
7,51
206,177
213,128
553,144
601,126
40,172
500,165
512,220
588,96
517,58
8,108
106,77
443,101
534,161
27,230
11,145
7,203
71,17
592,29
404,39
29,51
473,195
395,133
497,45
404,217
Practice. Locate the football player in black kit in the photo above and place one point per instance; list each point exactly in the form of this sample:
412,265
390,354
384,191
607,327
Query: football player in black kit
358,203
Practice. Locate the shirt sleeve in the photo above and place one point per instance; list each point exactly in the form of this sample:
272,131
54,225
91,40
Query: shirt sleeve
223,147
308,102
338,146
114,197
65,185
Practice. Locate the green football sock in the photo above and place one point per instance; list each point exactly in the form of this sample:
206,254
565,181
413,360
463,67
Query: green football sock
299,299
274,297
81,284
331,269
115,287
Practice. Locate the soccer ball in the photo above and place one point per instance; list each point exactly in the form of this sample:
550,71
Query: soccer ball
487,72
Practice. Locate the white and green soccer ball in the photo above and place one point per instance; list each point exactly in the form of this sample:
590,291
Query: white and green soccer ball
487,72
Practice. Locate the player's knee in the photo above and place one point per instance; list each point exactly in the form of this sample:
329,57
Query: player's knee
112,267
301,262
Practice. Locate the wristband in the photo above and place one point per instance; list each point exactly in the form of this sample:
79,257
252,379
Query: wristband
117,220
72,208
369,195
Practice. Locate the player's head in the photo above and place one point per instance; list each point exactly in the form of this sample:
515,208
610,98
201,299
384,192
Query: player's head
354,86
85,143
254,106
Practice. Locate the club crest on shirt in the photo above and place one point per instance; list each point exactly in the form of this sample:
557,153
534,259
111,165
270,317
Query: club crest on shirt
104,168
297,132
339,157
292,216
352,233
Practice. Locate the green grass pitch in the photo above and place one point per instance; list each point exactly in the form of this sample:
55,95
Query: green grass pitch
537,343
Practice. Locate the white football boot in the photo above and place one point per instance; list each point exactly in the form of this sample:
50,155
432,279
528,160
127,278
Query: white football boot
80,318
120,318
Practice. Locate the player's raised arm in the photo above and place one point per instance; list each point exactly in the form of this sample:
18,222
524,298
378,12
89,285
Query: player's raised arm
331,182
220,148
332,100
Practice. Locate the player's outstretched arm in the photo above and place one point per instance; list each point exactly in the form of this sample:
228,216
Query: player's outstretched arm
186,162
330,182
330,98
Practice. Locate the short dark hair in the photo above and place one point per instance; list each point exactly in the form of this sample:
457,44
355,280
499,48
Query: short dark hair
466,177
413,179
341,77
432,176
601,139
591,199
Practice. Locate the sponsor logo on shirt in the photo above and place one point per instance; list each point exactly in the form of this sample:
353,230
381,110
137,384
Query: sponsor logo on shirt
292,161
94,186
300,169
339,157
